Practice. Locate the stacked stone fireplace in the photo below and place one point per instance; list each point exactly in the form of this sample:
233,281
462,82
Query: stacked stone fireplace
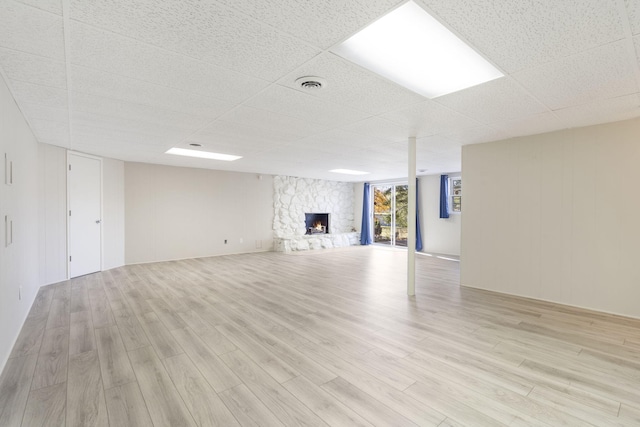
312,214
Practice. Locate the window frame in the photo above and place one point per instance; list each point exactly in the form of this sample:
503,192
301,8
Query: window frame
451,195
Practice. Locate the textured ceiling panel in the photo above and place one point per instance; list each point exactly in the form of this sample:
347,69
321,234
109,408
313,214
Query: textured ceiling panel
120,55
51,131
33,69
377,127
53,6
549,29
537,123
306,107
31,30
35,111
240,135
321,23
37,94
429,118
142,76
602,72
475,135
86,80
109,107
608,110
633,11
203,30
348,84
338,139
103,123
499,99
271,121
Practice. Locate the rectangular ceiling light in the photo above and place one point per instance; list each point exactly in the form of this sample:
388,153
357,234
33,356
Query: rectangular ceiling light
413,49
202,154
348,172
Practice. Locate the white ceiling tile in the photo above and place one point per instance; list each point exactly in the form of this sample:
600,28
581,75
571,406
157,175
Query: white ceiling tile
37,94
152,74
86,132
109,107
429,118
351,85
33,69
53,6
321,23
535,124
377,127
633,12
36,111
103,123
203,30
475,135
306,107
31,30
271,121
108,52
339,139
437,144
90,81
493,101
603,111
235,134
50,131
599,73
520,34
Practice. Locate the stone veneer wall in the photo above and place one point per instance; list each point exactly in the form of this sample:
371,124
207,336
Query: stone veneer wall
293,197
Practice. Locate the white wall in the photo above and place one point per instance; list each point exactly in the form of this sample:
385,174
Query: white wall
52,213
555,217
52,216
19,261
176,213
438,235
112,213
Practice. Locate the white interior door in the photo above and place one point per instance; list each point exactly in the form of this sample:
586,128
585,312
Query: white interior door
84,181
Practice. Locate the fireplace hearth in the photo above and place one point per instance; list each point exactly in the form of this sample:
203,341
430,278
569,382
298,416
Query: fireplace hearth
316,223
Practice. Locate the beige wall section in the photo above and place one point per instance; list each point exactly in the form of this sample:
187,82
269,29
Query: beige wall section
176,213
19,202
438,235
555,217
112,213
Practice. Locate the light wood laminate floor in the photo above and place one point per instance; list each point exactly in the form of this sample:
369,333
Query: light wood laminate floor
313,339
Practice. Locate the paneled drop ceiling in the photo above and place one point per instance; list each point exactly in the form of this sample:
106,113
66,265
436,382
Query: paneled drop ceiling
131,79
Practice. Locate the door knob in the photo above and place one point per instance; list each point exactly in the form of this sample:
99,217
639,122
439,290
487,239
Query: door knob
98,221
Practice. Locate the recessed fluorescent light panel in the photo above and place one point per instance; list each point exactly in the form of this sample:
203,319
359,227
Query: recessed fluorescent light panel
202,154
348,172
413,49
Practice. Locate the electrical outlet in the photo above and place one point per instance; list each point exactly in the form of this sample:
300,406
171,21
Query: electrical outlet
225,241
241,240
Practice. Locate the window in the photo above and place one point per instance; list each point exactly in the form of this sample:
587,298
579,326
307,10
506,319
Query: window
455,194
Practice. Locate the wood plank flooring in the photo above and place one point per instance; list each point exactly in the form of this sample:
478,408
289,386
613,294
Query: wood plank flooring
313,339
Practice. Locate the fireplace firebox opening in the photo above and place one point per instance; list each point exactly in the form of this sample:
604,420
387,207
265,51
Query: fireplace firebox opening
316,223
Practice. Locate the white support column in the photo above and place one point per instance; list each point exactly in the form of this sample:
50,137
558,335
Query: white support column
411,220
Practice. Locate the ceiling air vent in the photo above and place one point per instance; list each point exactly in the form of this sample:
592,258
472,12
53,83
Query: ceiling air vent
311,83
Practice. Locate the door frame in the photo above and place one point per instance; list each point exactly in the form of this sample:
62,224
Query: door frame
392,184
67,170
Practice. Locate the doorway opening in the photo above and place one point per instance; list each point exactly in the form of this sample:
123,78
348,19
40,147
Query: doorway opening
390,209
